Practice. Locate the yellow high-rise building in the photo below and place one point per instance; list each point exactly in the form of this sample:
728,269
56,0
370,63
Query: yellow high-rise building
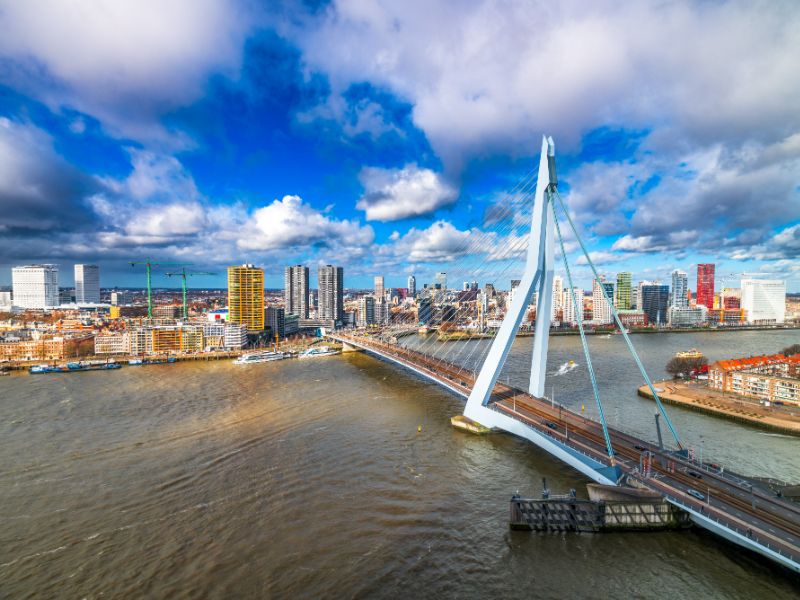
246,297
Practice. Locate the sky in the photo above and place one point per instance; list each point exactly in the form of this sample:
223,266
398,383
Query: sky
382,136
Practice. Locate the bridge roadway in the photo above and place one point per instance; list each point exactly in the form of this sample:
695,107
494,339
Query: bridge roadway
731,507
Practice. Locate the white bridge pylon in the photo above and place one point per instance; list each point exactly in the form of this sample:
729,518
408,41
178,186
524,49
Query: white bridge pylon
538,276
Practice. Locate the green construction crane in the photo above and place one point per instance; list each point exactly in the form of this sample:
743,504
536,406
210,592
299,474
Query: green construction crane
149,266
183,275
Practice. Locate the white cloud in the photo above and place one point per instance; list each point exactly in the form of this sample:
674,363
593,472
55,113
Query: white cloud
483,80
393,194
125,62
290,222
441,242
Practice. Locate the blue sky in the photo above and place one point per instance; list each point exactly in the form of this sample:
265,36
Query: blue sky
378,135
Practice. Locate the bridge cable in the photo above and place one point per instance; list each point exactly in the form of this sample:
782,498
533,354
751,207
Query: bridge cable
621,326
579,314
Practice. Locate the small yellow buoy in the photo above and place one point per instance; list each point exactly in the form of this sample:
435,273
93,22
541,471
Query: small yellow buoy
583,407
419,428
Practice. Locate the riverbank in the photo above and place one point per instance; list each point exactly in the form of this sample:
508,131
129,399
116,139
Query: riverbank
700,398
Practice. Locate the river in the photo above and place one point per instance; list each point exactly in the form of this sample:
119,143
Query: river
311,479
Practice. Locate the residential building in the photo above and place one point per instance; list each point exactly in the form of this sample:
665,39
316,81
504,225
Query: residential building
764,301
424,311
601,306
246,296
331,293
227,336
87,284
680,289
441,280
366,311
380,290
51,348
412,286
655,301
771,378
295,286
558,298
275,320
705,285
687,316
35,286
573,306
112,343
623,298
730,298
632,318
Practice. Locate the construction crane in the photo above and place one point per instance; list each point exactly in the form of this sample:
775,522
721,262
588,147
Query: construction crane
149,265
183,274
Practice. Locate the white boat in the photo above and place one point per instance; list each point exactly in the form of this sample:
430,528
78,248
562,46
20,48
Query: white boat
259,357
319,351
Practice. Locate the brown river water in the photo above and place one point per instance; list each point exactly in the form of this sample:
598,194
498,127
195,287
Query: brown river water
310,479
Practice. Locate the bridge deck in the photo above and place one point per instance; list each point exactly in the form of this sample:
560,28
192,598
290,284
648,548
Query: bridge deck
731,507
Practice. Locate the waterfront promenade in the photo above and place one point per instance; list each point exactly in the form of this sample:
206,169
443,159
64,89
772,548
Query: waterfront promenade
698,397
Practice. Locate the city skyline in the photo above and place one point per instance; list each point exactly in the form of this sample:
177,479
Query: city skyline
265,138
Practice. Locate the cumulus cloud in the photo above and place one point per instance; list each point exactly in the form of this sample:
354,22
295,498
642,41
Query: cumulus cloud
38,189
290,222
393,194
125,62
441,242
486,80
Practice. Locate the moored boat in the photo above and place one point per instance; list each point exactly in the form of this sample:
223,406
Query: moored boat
259,357
319,351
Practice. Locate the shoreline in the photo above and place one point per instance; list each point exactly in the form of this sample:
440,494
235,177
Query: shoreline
716,404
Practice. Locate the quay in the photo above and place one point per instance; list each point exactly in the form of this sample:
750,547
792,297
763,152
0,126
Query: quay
740,409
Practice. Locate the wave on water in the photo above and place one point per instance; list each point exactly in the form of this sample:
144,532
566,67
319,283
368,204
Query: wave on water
565,368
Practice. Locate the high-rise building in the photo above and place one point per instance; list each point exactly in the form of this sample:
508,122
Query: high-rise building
35,286
246,297
601,307
412,286
763,300
366,311
655,301
331,293
424,311
558,297
275,320
379,287
705,285
295,290
623,298
87,284
572,299
441,279
680,289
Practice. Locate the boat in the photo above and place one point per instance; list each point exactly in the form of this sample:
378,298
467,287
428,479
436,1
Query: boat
74,367
259,357
693,353
319,351
135,362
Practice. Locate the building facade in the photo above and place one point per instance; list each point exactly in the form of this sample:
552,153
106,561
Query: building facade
601,305
331,293
35,286
623,298
655,301
764,301
295,289
366,311
275,319
705,285
680,289
687,316
87,284
246,297
412,286
573,299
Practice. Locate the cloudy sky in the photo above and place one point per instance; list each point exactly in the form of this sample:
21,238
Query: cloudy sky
382,135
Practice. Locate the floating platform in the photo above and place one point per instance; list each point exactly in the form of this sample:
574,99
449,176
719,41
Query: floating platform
467,424
628,511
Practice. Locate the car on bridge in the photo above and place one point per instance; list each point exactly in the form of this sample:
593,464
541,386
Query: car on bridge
695,494
694,474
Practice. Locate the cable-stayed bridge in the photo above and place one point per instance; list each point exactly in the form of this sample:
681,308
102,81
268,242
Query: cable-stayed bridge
718,501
